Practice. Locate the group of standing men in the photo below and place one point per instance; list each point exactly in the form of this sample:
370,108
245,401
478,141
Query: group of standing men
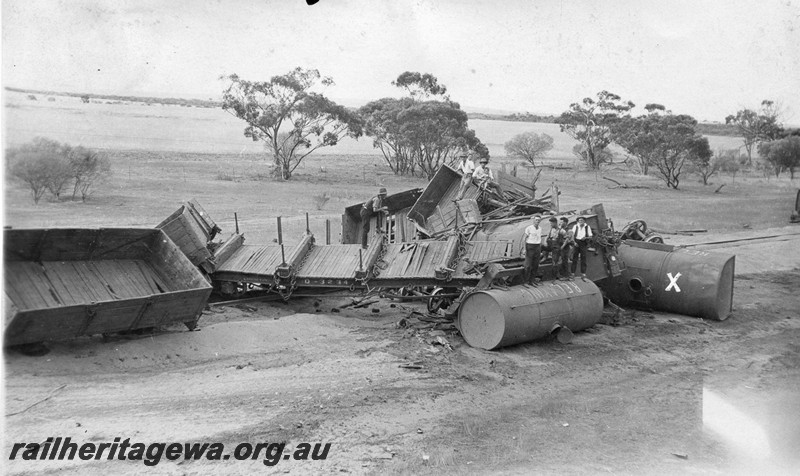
559,243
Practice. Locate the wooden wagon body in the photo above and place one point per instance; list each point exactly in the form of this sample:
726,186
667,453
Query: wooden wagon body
65,283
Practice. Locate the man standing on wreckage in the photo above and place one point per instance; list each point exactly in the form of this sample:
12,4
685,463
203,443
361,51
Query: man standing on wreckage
373,206
581,236
533,250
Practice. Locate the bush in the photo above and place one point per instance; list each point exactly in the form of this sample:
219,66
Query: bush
47,165
227,176
529,146
730,161
35,171
88,168
320,200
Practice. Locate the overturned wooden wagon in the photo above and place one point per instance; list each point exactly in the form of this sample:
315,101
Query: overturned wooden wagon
65,283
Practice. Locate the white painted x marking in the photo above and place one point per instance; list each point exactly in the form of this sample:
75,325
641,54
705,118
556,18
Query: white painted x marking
673,282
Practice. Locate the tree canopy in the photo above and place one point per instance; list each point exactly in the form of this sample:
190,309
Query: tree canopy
529,146
783,154
420,85
663,140
757,126
288,116
88,167
418,136
47,165
589,122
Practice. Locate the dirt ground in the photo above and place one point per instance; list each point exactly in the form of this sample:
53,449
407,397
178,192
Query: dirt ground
644,393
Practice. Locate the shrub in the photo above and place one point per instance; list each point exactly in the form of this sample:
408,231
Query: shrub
320,200
45,164
88,168
36,170
730,161
226,176
529,146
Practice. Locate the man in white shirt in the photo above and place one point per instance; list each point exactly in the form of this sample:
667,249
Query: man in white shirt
484,177
533,250
581,236
467,168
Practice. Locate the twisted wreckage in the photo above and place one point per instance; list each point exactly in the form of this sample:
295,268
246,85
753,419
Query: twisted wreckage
463,255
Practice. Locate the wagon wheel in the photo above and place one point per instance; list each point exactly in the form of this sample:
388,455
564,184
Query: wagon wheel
232,289
635,230
437,302
405,292
654,238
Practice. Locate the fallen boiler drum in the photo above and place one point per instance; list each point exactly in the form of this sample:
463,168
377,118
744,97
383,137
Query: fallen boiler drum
683,280
493,318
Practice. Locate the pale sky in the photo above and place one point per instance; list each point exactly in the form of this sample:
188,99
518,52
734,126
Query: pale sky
704,58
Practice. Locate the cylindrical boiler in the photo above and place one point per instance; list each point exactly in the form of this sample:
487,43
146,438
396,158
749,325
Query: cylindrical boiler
681,280
493,318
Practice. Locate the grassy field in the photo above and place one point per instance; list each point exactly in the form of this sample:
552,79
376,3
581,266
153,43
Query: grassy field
116,125
164,155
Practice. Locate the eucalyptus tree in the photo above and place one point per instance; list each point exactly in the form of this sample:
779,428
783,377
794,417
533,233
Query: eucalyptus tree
590,123
290,117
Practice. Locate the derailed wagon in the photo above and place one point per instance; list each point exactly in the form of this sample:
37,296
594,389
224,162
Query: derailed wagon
464,253
66,283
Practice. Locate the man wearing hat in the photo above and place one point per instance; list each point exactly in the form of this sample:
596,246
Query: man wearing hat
581,235
467,168
371,207
484,177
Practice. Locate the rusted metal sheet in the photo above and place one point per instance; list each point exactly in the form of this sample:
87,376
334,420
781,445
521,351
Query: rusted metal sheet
494,318
65,283
664,278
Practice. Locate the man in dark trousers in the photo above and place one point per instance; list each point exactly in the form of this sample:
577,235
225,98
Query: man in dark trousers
532,238
372,207
562,248
581,235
